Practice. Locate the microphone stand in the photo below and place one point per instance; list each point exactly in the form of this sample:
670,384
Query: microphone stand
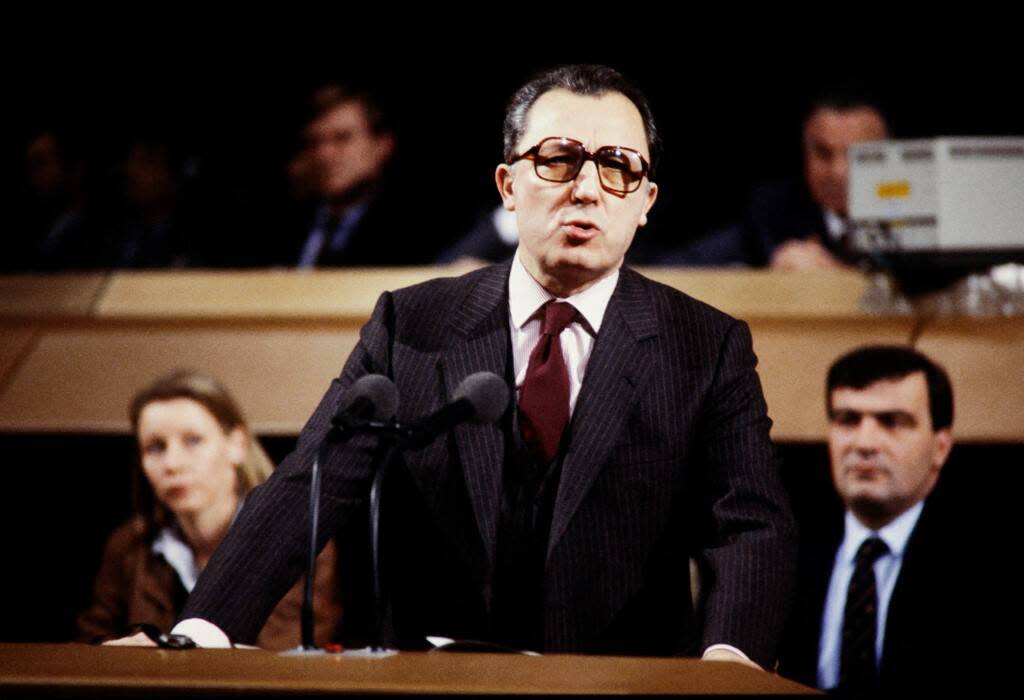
336,435
307,646
397,439
379,608
308,640
400,438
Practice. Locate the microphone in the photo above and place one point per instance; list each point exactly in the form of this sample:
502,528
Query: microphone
372,398
480,398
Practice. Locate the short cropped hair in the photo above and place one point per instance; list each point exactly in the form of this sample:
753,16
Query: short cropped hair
846,99
589,80
869,364
329,96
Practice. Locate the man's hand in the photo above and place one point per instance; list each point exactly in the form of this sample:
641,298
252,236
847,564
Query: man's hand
726,655
139,639
803,255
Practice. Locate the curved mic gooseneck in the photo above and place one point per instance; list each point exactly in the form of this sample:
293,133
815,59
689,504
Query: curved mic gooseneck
372,399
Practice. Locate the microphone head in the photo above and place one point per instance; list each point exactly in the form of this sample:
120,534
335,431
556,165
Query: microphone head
486,393
376,391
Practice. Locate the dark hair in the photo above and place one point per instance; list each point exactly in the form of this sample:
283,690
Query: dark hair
866,365
331,95
846,98
590,80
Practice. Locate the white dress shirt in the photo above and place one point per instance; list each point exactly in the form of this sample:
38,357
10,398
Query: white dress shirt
526,297
835,225
887,569
178,554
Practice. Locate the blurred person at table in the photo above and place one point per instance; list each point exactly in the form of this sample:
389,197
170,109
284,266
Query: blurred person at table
352,209
902,589
198,460
160,219
53,209
799,224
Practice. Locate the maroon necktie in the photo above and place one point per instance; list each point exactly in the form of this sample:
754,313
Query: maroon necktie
544,396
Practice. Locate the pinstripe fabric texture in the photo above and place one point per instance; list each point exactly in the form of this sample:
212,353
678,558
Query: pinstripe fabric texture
668,456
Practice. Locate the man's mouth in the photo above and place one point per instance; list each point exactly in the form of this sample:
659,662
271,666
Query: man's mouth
580,229
866,470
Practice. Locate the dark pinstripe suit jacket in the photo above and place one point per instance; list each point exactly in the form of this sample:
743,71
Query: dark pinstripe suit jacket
668,456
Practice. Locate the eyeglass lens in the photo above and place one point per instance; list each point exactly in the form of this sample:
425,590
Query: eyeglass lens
561,160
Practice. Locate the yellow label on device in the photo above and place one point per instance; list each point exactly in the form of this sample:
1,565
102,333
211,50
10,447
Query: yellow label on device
898,189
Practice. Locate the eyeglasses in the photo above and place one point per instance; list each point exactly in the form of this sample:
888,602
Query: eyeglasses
560,159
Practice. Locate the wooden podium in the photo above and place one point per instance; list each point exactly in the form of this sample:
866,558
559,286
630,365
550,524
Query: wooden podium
75,670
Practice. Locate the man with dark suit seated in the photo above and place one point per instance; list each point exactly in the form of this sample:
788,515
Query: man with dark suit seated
798,225
640,438
888,598
356,211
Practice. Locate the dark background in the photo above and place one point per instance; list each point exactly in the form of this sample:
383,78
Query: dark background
729,105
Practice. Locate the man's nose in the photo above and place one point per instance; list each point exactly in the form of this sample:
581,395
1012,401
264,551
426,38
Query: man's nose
868,435
587,185
323,148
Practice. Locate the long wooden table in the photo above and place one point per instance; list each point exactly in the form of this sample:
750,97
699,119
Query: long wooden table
74,348
74,670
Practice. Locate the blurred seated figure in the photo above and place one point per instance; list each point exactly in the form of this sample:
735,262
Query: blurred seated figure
493,238
355,213
899,591
52,221
156,223
798,225
198,459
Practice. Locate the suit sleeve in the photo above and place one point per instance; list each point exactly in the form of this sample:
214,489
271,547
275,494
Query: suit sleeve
265,551
749,548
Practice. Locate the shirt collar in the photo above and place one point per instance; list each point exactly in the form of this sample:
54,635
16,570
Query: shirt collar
170,544
525,296
895,534
835,225
352,214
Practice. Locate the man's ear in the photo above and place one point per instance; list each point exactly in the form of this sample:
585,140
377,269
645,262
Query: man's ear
652,194
943,445
504,180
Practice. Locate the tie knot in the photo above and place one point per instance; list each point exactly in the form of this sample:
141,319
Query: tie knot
557,315
871,549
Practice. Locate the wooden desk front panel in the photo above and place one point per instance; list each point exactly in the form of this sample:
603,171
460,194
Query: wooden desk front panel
70,361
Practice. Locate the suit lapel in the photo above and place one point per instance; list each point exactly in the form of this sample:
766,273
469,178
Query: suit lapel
616,371
480,343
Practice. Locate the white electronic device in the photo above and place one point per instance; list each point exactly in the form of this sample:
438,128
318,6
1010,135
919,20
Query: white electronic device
951,199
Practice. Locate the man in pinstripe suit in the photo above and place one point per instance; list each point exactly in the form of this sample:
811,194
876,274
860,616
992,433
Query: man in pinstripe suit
666,454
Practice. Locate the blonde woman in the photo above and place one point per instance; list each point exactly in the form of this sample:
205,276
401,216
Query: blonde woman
198,460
